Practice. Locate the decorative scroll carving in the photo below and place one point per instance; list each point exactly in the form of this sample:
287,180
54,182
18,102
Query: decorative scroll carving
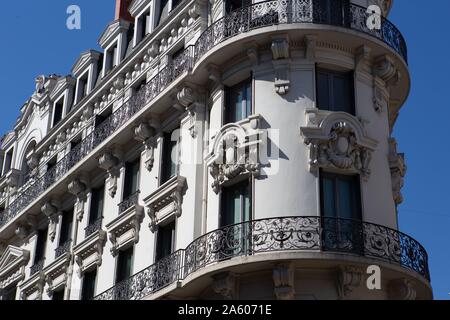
398,170
281,64
145,133
109,163
283,279
349,277
338,140
51,210
401,289
166,202
187,98
56,274
235,151
225,284
78,189
89,253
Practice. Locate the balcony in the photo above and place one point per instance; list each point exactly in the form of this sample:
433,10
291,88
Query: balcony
262,14
286,234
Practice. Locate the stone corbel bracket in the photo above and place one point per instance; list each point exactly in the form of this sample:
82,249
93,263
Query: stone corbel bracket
145,132
337,140
236,150
385,75
283,280
402,289
88,254
225,284
166,202
281,63
348,278
398,170
124,230
109,162
51,209
78,188
188,98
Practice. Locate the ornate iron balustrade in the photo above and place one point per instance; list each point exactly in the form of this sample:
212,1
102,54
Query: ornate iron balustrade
274,12
276,235
93,227
131,201
37,267
248,18
148,281
62,249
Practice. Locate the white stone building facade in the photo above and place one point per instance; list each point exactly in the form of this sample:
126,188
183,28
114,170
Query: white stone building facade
215,150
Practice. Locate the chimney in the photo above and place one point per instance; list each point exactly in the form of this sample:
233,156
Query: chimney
122,10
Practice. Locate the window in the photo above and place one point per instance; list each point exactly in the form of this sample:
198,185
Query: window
238,103
111,58
97,202
177,53
83,86
124,265
331,12
175,3
335,91
41,244
231,5
163,11
235,204
58,295
131,185
341,212
8,161
101,118
143,26
51,163
75,143
58,109
9,294
66,227
165,241
170,156
88,286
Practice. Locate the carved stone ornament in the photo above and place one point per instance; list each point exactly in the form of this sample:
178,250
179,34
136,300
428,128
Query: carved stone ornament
78,189
88,254
109,163
337,140
12,266
33,288
145,133
401,289
124,230
281,64
50,209
283,280
236,151
56,274
166,202
187,97
224,284
398,171
348,278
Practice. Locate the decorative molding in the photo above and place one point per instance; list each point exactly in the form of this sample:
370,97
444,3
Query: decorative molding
349,278
281,63
33,288
145,133
109,163
78,188
310,44
224,284
84,60
362,57
187,97
283,280
88,254
398,170
124,230
235,151
337,140
166,202
56,274
401,289
12,265
112,31
51,210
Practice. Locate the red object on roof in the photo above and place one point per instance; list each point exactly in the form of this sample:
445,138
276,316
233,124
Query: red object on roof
122,10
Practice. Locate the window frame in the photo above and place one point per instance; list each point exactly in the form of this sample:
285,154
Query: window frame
91,221
94,287
158,255
164,177
228,92
57,101
130,165
245,183
118,264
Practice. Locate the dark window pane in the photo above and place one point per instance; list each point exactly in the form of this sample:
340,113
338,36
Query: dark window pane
88,288
58,112
97,200
66,227
40,246
9,294
169,165
231,5
124,265
165,241
323,91
236,204
328,198
335,91
131,178
238,104
58,295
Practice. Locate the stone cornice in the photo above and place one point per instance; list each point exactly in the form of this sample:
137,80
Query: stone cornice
112,31
62,84
84,60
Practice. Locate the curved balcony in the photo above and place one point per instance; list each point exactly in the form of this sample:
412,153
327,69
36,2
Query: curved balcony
255,16
293,234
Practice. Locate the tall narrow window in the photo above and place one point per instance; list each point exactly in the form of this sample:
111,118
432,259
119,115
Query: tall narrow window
165,241
97,203
124,265
334,12
235,204
8,161
58,109
335,91
341,212
111,58
143,26
66,227
163,11
88,286
41,244
83,86
170,156
131,178
238,104
101,118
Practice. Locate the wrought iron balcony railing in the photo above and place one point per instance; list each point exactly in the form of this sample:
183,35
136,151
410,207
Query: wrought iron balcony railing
129,202
276,235
62,249
248,18
93,227
37,267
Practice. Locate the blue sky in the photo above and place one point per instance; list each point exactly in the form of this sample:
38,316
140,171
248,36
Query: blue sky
35,41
